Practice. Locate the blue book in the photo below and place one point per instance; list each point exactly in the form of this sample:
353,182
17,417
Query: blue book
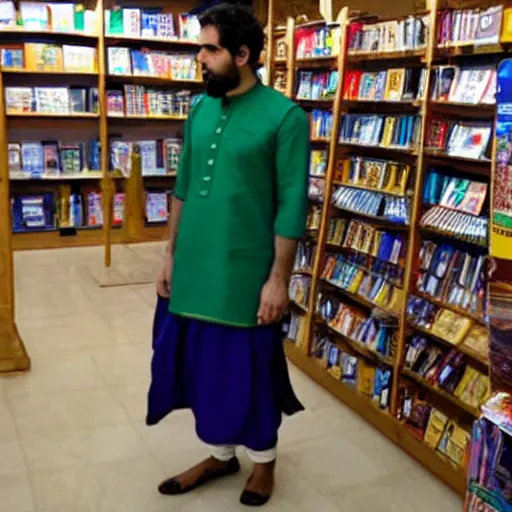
149,22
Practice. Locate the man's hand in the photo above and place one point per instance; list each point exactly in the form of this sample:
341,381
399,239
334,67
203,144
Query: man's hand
163,282
274,301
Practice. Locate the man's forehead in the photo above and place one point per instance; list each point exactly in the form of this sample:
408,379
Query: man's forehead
209,35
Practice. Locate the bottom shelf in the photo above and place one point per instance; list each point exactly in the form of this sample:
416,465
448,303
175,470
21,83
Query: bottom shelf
389,426
53,239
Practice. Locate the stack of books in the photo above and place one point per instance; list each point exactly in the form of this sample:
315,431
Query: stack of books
373,204
401,84
347,273
140,101
157,207
153,64
357,325
475,85
370,381
453,277
321,125
53,158
389,36
394,131
461,27
151,23
314,42
158,157
317,86
51,100
428,424
375,174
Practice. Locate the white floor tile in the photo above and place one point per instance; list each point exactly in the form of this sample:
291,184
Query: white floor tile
72,431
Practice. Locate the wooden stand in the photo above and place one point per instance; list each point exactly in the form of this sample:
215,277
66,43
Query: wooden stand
13,356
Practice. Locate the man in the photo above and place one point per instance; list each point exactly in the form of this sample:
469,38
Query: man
239,207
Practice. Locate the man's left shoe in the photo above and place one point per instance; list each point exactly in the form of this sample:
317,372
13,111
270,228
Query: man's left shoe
253,499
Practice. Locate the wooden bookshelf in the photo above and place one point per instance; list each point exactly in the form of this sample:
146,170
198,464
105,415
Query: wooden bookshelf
96,125
302,353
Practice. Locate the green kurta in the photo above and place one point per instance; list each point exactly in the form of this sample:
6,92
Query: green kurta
243,177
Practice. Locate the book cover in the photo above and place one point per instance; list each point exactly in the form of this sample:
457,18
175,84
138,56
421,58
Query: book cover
51,158
394,84
131,22
435,428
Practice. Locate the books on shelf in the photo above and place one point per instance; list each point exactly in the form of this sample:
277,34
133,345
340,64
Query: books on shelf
321,124
304,257
336,231
159,157
376,174
299,289
453,277
459,138
32,160
151,23
51,100
400,84
318,162
446,370
314,42
94,210
349,274
157,207
316,86
374,204
313,218
460,27
33,212
164,65
280,80
44,16
297,330
137,100
472,85
368,380
410,33
393,131
377,335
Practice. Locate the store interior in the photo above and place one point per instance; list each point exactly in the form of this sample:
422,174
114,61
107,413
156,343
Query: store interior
400,334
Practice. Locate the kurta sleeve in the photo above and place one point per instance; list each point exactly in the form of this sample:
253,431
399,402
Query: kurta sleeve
292,163
184,167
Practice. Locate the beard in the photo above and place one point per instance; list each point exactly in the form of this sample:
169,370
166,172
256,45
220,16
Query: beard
219,84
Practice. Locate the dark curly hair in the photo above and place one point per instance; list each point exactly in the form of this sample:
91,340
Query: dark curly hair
237,26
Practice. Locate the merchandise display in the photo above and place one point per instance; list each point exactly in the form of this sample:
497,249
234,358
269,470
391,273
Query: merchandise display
71,87
397,291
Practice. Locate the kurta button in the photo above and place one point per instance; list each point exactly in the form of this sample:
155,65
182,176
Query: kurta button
219,130
214,146
203,193
224,118
211,161
207,178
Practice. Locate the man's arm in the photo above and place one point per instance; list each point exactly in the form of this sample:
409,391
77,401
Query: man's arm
292,162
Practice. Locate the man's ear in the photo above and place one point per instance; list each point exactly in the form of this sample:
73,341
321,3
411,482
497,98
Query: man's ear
242,57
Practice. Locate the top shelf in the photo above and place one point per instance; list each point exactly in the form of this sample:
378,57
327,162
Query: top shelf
14,33
113,39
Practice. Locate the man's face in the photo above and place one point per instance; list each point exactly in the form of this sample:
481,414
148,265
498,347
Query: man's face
220,70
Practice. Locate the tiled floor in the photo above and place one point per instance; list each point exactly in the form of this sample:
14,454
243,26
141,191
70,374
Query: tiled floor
72,435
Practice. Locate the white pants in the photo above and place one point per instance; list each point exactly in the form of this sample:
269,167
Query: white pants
224,453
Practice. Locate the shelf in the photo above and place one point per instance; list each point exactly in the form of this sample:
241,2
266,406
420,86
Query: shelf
115,118
478,358
358,56
395,151
15,33
319,61
373,219
469,49
65,177
295,304
358,298
44,115
444,394
303,271
385,423
451,307
363,350
467,109
156,176
111,39
323,103
153,80
382,105
63,73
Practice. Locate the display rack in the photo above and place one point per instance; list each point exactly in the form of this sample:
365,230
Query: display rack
104,124
406,403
